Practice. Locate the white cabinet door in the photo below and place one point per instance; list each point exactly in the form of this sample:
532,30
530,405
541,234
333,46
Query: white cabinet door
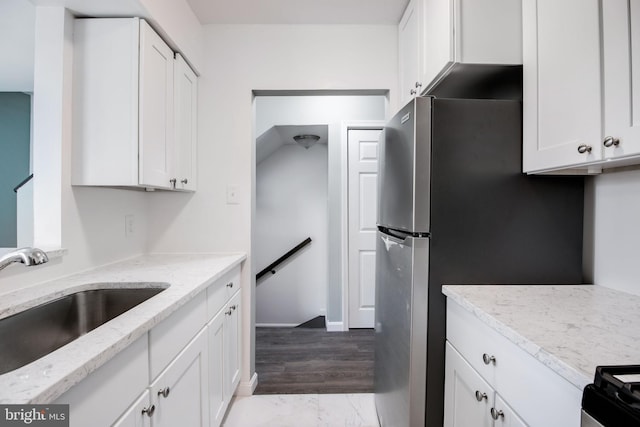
561,88
468,399
504,415
139,414
621,65
410,51
186,132
438,38
180,393
156,109
217,399
233,344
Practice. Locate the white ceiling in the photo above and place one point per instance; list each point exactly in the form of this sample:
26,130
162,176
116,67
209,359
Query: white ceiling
298,11
277,136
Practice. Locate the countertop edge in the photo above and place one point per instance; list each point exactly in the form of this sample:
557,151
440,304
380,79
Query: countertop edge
566,371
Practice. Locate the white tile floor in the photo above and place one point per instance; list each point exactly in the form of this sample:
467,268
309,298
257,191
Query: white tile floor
302,410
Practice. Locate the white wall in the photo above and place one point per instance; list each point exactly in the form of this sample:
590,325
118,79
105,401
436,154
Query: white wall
616,230
291,205
238,60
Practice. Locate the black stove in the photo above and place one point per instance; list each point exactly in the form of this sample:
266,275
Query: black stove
613,400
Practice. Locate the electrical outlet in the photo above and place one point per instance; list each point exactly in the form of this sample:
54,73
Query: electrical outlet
129,225
232,195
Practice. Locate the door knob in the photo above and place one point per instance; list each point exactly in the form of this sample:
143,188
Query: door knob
480,396
164,392
184,181
488,359
496,414
610,141
149,411
584,148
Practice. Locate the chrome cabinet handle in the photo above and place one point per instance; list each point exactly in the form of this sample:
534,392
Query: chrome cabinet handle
164,392
480,396
488,359
184,181
584,148
418,85
149,411
610,141
495,414
228,312
233,307
173,182
230,285
412,92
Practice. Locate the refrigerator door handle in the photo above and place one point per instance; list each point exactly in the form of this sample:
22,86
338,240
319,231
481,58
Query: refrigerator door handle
400,234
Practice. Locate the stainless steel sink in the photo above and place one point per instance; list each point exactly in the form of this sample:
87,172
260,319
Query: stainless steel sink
36,332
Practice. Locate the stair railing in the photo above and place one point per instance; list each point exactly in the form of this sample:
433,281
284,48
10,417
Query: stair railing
271,268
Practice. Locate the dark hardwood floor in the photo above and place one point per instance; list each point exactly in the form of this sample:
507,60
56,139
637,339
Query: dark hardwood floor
302,360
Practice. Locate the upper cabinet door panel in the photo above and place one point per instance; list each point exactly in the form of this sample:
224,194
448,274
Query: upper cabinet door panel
562,86
438,37
186,111
621,65
156,109
409,37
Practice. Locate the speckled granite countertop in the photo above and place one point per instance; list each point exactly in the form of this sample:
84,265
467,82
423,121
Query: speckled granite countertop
43,380
571,329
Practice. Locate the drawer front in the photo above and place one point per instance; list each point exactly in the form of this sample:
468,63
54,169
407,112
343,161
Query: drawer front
538,394
221,290
168,338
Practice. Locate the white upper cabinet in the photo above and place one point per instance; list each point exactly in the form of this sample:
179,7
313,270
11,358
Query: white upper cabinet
581,107
186,132
155,143
561,92
125,108
410,51
435,33
621,65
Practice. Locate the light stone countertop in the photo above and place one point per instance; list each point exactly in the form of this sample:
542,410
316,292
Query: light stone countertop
43,380
569,328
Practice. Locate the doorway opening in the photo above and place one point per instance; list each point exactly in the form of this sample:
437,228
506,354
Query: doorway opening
301,245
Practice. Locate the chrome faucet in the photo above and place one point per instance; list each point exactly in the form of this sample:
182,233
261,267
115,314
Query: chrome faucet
27,256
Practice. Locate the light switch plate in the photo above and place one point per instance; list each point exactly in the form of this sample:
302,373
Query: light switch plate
129,225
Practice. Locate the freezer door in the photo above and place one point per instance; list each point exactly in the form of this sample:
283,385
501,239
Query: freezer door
400,330
405,167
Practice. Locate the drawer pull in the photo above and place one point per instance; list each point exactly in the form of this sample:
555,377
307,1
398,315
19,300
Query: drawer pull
488,359
149,411
233,307
495,414
480,396
228,312
584,148
164,392
230,285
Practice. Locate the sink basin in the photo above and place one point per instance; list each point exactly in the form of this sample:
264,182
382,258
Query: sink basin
36,332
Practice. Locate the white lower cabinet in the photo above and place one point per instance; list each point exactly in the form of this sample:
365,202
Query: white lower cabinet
469,400
180,392
183,372
490,381
139,414
224,354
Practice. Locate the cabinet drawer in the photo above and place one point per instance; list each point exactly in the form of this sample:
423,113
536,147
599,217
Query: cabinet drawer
168,338
105,394
534,391
221,290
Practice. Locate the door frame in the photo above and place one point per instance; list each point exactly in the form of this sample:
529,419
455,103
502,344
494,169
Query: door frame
345,127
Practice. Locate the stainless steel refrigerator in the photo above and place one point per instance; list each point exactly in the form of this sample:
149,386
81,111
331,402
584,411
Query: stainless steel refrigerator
454,208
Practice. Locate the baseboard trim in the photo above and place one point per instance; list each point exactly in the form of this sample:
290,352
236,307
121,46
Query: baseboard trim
246,388
276,325
335,327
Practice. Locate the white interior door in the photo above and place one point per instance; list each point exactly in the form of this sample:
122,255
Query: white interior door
363,200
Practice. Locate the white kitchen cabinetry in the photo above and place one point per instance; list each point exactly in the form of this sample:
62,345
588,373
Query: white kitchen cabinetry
139,414
224,352
434,33
180,394
123,126
184,371
562,83
186,132
621,74
481,359
471,401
